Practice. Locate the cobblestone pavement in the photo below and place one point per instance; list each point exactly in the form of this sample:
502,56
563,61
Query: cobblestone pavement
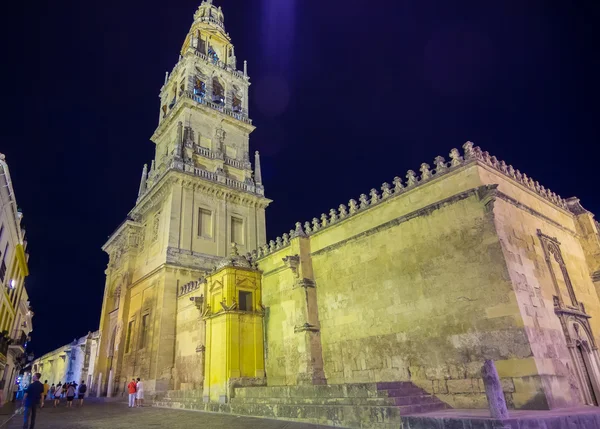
116,415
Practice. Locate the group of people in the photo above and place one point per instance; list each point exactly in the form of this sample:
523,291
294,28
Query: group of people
136,393
67,390
37,393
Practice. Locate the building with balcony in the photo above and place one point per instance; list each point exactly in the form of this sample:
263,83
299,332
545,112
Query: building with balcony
15,314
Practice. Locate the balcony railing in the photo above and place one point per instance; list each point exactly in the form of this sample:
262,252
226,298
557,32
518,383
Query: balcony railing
218,63
207,153
202,100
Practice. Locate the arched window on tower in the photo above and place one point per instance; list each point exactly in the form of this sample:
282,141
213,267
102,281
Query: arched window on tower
199,87
218,93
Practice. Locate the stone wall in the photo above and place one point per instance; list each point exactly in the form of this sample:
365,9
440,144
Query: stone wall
189,344
425,282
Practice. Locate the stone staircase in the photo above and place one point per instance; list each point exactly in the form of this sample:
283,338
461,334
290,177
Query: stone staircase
368,405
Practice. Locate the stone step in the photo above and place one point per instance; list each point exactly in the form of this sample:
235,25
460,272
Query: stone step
414,400
406,391
317,401
407,410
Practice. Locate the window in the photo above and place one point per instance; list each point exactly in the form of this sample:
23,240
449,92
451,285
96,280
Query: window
245,301
129,333
218,92
237,230
205,223
144,337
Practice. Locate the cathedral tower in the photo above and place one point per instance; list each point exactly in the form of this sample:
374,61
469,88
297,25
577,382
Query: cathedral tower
198,196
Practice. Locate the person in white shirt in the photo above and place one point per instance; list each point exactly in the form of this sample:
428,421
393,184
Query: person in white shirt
140,393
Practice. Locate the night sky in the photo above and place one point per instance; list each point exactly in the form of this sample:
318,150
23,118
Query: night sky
346,94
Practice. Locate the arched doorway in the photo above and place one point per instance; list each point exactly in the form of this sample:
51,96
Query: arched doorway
585,358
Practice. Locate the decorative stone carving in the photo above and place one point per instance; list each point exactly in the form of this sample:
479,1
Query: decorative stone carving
386,192
292,262
364,203
455,157
425,171
286,239
469,153
278,243
440,164
411,179
271,246
333,217
324,220
307,227
298,231
374,196
398,186
343,211
353,206
316,225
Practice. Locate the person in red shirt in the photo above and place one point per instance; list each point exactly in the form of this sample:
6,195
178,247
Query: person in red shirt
131,387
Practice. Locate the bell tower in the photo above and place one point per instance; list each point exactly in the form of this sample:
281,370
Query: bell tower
199,195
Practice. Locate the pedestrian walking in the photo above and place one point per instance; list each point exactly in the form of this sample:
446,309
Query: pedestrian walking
57,394
45,393
81,392
140,393
70,394
132,389
52,390
31,401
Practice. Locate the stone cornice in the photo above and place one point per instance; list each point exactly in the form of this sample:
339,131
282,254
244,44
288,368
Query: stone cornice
191,181
119,233
473,155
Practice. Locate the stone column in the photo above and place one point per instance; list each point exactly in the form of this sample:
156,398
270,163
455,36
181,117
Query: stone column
493,391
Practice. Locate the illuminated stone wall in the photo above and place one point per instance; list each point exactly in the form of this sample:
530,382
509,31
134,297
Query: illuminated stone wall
425,283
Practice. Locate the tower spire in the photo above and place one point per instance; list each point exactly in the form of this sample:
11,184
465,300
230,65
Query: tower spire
257,172
143,181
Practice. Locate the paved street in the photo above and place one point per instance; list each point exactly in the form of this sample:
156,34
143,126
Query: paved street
115,415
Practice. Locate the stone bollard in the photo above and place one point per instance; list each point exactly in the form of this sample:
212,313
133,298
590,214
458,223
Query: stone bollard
493,391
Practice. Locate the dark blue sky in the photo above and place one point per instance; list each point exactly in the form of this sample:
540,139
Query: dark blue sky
346,94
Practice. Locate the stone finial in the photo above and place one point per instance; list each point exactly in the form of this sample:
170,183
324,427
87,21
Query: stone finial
278,243
254,255
425,171
333,217
518,176
324,220
537,187
291,234
477,153
455,158
511,172
353,206
143,180
265,249
411,179
398,186
485,157
503,167
544,192
259,252
271,246
386,192
307,227
343,211
316,225
298,232
234,250
440,164
525,179
364,203
245,68
494,162
152,167
374,196
286,239
468,148
257,170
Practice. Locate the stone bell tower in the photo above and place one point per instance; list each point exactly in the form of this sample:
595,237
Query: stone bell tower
198,196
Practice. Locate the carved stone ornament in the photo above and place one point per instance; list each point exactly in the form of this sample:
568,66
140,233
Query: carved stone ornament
292,262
